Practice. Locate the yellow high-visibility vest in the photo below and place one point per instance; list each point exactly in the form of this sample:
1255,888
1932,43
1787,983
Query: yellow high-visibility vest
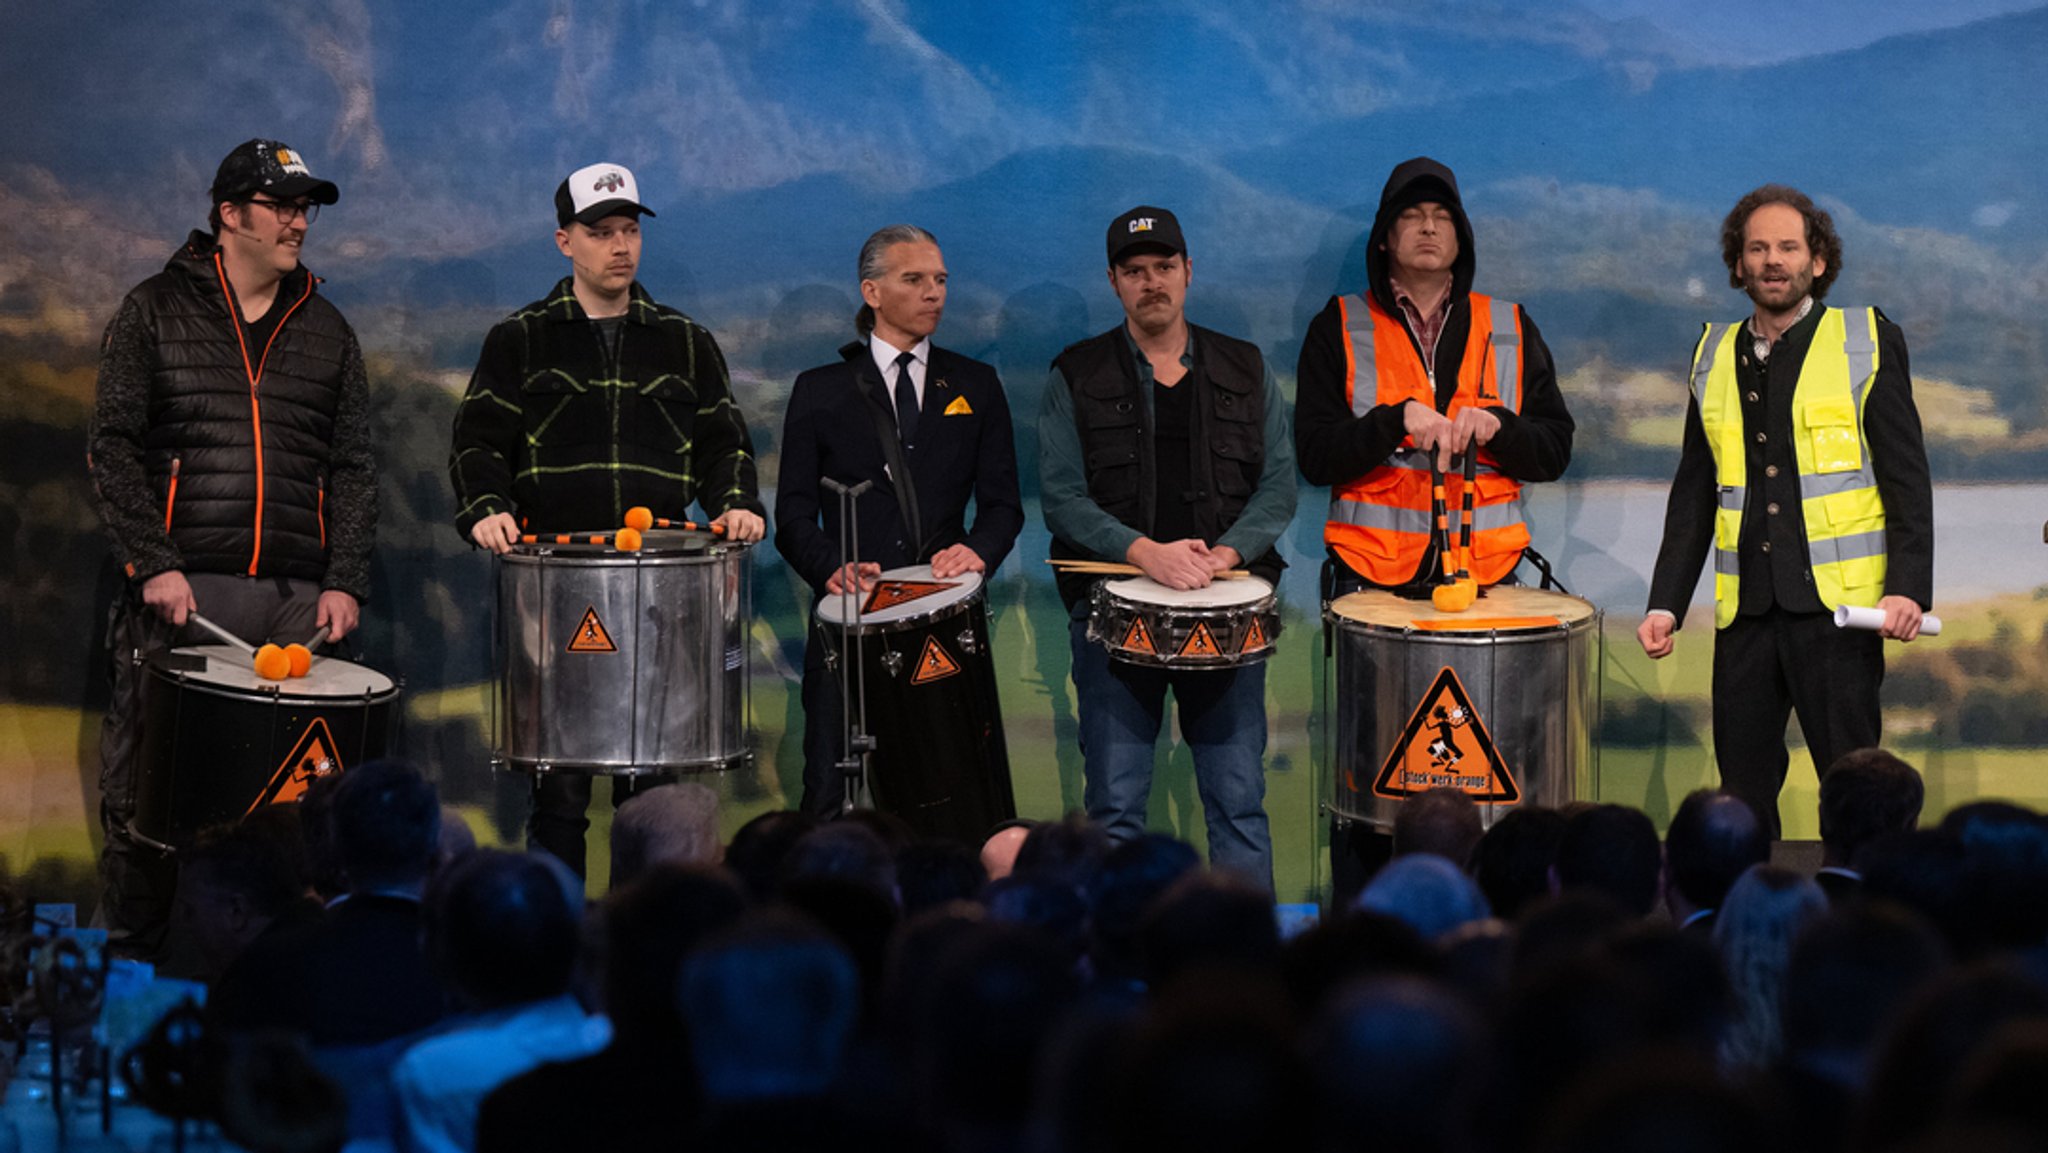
1839,501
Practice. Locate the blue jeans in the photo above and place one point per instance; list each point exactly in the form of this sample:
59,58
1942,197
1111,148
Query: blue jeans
1223,720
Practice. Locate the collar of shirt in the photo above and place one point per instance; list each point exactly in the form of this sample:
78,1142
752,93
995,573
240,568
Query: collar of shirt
1761,343
1428,329
885,355
1144,363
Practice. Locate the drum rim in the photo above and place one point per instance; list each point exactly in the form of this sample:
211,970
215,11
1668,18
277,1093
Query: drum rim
861,625
282,692
1444,629
592,556
1271,598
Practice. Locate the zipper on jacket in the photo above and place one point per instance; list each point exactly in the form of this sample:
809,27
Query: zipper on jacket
255,374
171,497
320,511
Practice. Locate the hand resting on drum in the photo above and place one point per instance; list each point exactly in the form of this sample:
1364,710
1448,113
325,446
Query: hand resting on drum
1179,564
862,576
953,560
497,532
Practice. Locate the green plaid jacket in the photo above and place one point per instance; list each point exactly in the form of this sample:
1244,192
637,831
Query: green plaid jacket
554,433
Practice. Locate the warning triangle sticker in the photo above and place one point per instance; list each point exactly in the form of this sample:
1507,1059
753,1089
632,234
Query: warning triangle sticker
889,594
313,756
1200,643
1446,745
590,635
933,664
1138,638
1254,637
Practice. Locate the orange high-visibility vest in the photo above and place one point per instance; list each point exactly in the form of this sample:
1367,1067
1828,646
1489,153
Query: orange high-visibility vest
1380,523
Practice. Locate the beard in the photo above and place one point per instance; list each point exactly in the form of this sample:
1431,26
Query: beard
1782,296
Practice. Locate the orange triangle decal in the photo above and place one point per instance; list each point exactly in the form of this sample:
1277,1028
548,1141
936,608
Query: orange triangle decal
1138,638
313,756
1254,637
1200,643
933,664
1445,745
590,635
889,594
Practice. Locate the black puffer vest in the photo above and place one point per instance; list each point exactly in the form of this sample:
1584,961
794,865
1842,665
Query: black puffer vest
1114,419
238,449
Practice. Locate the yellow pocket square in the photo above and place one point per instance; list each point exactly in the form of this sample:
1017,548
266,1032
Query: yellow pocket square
959,407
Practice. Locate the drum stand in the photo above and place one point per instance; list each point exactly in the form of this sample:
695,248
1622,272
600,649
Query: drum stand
856,742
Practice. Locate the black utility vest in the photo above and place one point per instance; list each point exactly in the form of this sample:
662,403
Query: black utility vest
1112,415
241,468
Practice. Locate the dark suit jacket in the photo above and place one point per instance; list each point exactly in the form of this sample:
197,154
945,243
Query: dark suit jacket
1898,454
829,431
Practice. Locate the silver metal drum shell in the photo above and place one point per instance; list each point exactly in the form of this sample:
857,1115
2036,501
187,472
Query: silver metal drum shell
672,693
1534,689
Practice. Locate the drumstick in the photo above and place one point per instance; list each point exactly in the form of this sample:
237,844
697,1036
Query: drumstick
1452,596
247,649
301,656
640,518
1117,568
1465,580
625,539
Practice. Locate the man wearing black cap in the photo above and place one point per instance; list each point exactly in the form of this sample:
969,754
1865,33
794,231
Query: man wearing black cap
1419,369
1165,445
231,460
586,403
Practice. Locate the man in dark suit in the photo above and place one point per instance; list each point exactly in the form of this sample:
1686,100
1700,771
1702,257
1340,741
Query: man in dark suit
893,395
1803,468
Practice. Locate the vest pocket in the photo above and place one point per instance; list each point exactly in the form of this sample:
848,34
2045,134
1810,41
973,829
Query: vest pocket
1831,435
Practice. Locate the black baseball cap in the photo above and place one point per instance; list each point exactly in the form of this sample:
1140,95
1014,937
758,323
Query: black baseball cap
1145,229
594,192
273,167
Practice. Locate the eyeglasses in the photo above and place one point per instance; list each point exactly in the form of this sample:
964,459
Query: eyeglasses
289,210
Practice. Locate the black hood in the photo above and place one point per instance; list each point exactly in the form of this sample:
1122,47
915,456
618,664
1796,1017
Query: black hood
1413,182
194,260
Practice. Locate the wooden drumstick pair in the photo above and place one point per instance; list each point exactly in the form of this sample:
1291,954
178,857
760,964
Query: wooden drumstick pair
1458,590
1117,568
271,662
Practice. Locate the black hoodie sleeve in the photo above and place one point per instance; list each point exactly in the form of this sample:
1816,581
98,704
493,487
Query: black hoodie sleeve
1333,444
1536,443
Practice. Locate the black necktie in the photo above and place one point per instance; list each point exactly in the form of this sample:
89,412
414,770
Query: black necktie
906,401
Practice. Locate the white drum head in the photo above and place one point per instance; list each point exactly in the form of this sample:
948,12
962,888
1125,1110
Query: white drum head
903,594
1219,593
231,668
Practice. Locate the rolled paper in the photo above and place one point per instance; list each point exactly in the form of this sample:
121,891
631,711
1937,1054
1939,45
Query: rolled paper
1871,620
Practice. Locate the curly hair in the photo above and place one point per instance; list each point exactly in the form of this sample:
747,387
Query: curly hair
1820,233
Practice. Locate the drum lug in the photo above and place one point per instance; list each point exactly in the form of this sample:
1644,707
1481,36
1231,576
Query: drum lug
831,658
967,642
893,662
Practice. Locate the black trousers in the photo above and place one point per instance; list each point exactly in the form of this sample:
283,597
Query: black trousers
824,730
1770,665
561,808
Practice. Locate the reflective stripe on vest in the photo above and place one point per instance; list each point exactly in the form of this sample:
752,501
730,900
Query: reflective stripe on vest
1380,523
1841,509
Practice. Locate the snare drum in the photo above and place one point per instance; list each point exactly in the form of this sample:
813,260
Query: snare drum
1226,624
622,662
1497,701
940,759
218,741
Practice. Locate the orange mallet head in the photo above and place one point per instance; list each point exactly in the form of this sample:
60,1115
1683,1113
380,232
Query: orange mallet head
639,518
626,540
272,664
300,659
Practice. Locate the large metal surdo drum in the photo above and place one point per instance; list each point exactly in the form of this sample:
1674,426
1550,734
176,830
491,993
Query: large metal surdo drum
622,662
1497,701
920,653
219,742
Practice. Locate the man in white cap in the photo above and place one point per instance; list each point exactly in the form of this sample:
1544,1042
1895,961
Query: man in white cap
618,402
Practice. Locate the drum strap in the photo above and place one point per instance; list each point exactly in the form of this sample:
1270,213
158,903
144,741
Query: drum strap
892,452
1550,580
